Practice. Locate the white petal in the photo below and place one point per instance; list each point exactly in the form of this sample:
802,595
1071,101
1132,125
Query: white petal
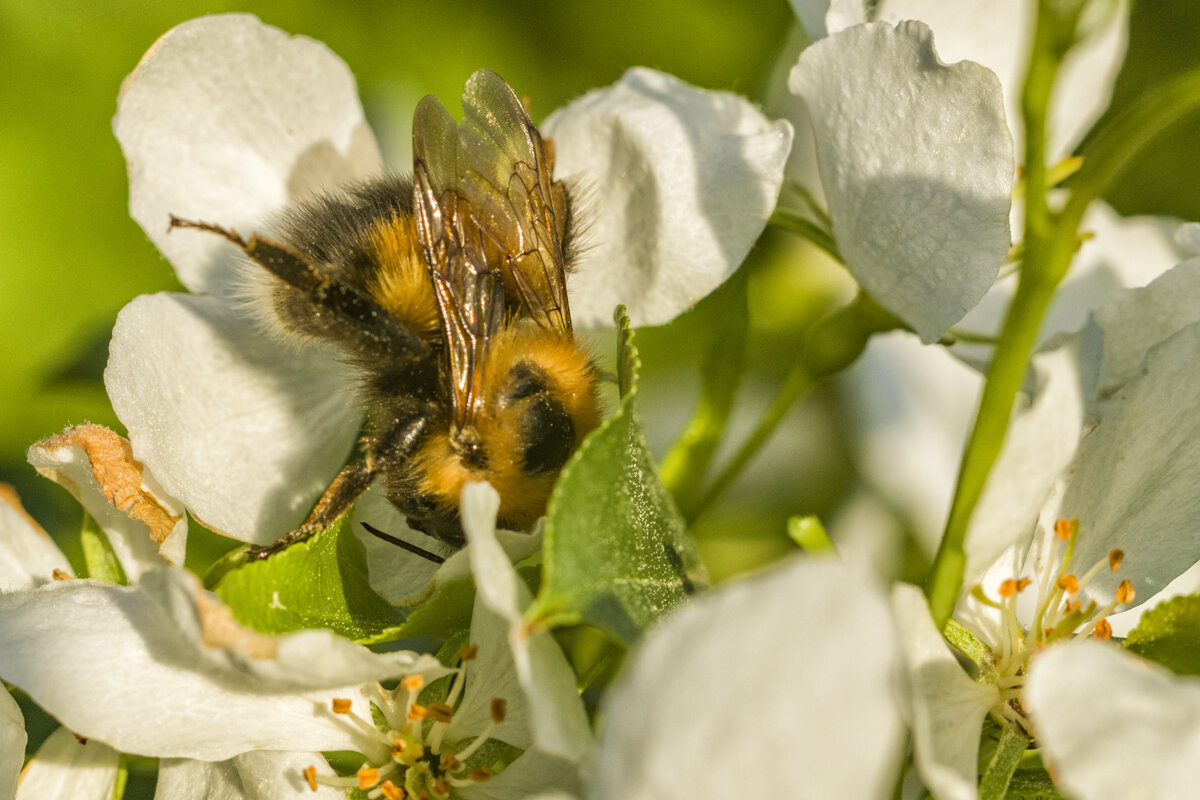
1135,320
1041,441
396,575
12,744
779,685
1133,483
916,162
1113,726
1121,252
178,676
257,775
65,768
226,120
823,17
245,430
556,716
997,34
914,405
1187,236
676,183
146,528
533,776
28,556
948,708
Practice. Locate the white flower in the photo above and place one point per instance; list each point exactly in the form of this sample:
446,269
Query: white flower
1090,508
916,168
229,120
1114,727
182,681
779,685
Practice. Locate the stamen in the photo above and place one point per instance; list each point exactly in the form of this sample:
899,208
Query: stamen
418,712
480,775
342,705
1069,584
449,763
500,706
310,776
391,791
1115,559
413,683
440,712
368,777
1125,593
1008,588
1102,630
1064,529
468,653
61,575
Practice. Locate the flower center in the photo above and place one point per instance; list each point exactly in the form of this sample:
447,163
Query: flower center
1059,615
418,762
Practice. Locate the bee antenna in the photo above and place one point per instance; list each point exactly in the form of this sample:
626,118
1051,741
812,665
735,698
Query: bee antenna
677,564
403,545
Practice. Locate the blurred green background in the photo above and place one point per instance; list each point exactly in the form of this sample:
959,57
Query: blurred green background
70,256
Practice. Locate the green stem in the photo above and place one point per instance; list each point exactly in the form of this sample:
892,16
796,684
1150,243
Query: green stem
687,463
795,386
1119,143
999,772
830,345
1049,246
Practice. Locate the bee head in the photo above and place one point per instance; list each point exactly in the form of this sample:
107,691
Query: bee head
539,400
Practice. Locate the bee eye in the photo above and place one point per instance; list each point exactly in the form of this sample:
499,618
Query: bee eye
549,436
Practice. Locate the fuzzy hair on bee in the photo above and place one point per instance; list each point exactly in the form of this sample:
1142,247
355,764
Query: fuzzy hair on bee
446,293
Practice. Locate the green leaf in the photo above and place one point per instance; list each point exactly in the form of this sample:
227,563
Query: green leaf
1170,634
617,554
98,556
317,583
442,616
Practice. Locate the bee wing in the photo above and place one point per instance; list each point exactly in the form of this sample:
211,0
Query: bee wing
504,177
469,291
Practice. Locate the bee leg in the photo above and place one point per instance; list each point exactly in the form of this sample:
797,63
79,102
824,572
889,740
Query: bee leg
361,313
347,487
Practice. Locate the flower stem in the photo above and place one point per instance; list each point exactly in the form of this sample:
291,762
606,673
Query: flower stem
994,783
830,345
1049,246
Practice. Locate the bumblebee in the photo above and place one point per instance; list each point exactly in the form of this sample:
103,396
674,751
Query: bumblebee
447,294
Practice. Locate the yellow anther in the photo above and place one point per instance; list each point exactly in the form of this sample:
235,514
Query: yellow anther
341,705
368,777
398,747
440,712
310,776
1125,593
449,763
61,575
1008,588
499,707
1102,630
441,786
418,712
480,775
1023,584
468,653
413,683
1066,528
1115,558
1069,584
391,791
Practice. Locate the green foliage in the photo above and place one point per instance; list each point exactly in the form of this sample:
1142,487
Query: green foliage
1170,634
614,542
98,556
318,583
